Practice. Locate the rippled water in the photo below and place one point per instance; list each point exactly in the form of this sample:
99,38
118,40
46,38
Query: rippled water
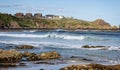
69,43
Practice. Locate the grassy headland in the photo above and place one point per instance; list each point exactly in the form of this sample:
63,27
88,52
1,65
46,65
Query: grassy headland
10,21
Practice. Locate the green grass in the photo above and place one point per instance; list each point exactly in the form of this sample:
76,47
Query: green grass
47,23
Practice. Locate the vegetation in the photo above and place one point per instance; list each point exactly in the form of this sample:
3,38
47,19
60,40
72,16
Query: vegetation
69,23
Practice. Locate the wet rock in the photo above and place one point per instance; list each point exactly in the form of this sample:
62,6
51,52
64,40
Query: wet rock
87,46
25,47
91,67
32,57
8,64
42,56
7,56
48,55
49,63
22,64
28,54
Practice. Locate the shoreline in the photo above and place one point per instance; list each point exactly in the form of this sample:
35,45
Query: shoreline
54,64
37,29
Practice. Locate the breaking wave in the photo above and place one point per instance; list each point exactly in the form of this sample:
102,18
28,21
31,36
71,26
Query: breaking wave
52,35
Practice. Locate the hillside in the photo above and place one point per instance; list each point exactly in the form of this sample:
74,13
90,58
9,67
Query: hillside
10,21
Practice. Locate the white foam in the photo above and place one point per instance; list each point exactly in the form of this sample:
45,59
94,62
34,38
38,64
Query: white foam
24,35
52,35
114,48
74,37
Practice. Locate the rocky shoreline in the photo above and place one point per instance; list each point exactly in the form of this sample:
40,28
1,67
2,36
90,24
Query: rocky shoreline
14,58
92,67
37,29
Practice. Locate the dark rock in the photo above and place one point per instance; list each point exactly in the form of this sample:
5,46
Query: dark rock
8,65
74,57
7,56
49,63
25,47
22,64
101,47
86,46
41,69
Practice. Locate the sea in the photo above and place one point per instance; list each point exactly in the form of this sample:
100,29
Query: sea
68,43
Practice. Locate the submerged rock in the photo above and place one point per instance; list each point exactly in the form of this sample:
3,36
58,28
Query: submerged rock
87,46
7,56
8,64
25,47
92,67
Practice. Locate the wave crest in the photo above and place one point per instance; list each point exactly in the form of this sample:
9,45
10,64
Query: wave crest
52,35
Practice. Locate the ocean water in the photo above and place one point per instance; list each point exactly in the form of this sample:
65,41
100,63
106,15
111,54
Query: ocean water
69,44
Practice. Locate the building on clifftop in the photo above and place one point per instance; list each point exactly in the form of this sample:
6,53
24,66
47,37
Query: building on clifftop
29,15
37,15
20,15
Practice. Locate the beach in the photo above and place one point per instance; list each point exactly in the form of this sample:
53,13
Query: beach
74,46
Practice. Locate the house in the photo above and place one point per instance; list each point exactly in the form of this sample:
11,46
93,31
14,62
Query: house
28,15
19,15
53,16
49,16
37,15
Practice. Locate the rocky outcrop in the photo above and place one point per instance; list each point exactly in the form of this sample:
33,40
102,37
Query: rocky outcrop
87,46
25,47
43,56
49,55
92,67
7,56
101,22
101,47
11,56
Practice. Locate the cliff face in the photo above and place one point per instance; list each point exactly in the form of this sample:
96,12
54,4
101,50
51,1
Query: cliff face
9,21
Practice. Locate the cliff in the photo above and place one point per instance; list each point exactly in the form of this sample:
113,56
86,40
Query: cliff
10,21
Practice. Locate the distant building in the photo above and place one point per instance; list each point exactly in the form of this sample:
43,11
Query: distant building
19,15
28,15
49,16
61,17
53,16
38,15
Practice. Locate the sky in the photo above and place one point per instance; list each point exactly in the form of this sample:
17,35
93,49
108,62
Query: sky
89,10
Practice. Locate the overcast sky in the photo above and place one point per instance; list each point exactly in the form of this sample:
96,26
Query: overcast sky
89,10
